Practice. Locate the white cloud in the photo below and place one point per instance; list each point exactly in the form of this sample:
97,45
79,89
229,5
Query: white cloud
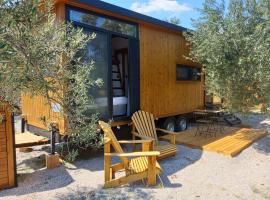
160,5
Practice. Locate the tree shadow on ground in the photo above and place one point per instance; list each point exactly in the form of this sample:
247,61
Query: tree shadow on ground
263,145
184,158
86,193
40,181
171,165
259,121
32,176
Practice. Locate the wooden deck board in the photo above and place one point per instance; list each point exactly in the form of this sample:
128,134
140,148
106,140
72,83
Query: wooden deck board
231,142
28,139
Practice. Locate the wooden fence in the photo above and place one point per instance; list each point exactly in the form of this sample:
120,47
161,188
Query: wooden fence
7,149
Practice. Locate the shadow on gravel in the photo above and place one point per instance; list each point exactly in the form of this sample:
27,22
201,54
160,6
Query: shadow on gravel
40,181
263,145
184,158
104,194
171,165
261,122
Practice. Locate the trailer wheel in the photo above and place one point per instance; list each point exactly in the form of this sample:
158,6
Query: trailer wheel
169,124
181,123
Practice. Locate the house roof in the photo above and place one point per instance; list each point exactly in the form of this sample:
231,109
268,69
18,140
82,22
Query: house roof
131,14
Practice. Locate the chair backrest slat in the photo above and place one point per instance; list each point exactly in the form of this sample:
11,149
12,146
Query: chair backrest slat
152,124
140,118
139,124
145,124
116,145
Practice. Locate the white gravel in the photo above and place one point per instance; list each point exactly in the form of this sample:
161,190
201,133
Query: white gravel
192,174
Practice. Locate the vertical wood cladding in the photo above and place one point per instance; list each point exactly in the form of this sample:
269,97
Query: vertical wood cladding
7,165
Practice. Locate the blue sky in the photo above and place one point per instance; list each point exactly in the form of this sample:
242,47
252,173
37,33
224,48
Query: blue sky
161,9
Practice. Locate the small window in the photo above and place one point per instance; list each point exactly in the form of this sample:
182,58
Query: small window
187,73
106,23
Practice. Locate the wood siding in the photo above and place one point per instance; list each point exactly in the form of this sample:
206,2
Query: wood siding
160,50
161,94
7,164
39,113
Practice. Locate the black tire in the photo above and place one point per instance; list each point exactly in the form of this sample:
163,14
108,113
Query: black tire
169,124
181,123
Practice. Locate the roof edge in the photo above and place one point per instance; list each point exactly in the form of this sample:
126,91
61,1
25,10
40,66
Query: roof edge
131,14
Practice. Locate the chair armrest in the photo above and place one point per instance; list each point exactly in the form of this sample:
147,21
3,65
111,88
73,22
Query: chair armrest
171,134
134,154
165,131
140,136
134,141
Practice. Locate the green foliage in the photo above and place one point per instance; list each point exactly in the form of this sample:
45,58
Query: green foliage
39,56
234,47
1,118
174,20
72,155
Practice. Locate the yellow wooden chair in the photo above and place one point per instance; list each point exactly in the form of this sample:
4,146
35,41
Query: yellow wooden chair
145,128
141,165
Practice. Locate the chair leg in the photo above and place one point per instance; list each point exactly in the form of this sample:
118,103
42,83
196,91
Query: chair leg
107,163
197,130
152,175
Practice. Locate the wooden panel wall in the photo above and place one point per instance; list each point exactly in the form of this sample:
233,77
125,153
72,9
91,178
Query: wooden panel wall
161,94
160,50
7,157
36,109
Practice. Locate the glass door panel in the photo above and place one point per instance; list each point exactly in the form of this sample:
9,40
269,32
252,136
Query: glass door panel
97,50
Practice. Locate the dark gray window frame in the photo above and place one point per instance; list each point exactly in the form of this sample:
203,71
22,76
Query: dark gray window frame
189,78
69,8
110,33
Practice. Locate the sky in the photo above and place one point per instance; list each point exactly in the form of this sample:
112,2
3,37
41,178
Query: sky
185,10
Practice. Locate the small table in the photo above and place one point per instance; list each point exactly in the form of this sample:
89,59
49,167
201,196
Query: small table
208,122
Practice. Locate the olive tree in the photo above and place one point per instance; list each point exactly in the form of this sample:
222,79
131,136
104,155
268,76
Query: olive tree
42,57
233,45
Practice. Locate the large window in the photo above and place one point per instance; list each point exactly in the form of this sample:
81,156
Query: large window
186,73
97,51
103,22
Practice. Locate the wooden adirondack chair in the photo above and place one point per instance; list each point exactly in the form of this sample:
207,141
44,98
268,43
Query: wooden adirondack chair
141,165
145,128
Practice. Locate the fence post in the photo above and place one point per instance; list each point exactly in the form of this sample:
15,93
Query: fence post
23,127
52,159
54,131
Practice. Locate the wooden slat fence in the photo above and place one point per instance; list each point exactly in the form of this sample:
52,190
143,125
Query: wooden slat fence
7,149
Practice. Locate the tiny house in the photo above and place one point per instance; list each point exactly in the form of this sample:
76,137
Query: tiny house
141,61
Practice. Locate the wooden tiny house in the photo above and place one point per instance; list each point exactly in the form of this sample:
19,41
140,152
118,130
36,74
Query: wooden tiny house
140,59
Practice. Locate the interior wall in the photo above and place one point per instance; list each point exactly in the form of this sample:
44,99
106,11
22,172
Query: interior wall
118,44
120,104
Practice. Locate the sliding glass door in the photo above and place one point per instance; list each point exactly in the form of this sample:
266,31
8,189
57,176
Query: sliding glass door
101,51
97,50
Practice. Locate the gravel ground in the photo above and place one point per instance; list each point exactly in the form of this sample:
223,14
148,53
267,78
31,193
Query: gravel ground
192,174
